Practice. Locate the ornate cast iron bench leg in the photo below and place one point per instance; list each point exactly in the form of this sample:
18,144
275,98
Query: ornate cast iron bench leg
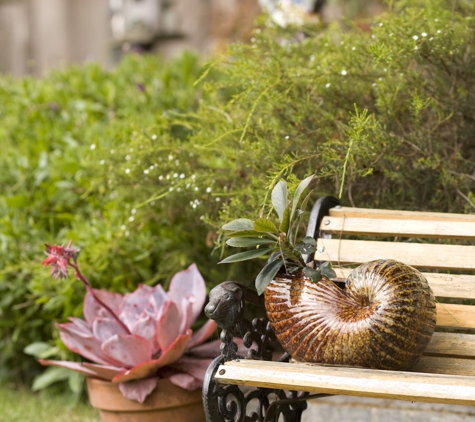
226,306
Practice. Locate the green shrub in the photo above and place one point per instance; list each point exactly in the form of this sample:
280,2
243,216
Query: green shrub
53,190
384,117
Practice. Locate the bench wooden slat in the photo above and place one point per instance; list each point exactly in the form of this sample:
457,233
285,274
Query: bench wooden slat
455,316
403,228
447,366
432,388
452,345
342,251
460,286
399,215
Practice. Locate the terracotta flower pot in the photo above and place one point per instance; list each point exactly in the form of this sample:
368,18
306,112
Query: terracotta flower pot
166,403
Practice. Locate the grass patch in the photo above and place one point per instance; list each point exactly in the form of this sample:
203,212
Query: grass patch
24,406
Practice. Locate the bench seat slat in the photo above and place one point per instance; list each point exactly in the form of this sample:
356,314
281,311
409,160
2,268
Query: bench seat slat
449,389
342,251
453,345
402,228
399,215
460,286
450,366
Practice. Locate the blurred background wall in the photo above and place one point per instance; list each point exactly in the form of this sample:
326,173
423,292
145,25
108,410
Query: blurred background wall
37,35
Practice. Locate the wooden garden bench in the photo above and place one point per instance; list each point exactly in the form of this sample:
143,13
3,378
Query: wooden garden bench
440,245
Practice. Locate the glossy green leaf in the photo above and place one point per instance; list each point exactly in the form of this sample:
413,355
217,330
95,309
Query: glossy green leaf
298,193
314,275
267,274
285,224
239,224
265,226
242,242
279,199
244,233
245,256
307,245
327,270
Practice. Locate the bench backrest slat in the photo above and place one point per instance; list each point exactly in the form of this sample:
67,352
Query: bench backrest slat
419,255
460,286
403,228
397,214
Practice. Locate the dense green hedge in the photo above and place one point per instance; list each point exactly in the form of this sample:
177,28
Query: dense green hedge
140,166
53,188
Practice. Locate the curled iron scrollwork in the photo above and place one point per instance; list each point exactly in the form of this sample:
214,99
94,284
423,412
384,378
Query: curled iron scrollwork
241,338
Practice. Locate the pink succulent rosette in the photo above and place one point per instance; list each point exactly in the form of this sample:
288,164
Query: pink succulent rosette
139,337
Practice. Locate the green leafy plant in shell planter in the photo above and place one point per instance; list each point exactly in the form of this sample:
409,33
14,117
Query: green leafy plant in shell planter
280,242
317,320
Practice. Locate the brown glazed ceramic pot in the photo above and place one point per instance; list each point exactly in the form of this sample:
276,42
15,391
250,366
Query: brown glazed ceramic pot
167,403
383,318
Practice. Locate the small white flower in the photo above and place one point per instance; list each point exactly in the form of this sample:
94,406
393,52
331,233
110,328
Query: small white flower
439,31
175,175
154,137
146,171
131,219
436,20
424,34
343,72
208,190
431,38
416,47
160,177
287,137
170,189
93,146
415,37
253,39
328,85
170,157
196,188
112,151
312,58
380,24
353,48
218,199
102,162
182,176
127,171
123,227
133,211
127,233
127,157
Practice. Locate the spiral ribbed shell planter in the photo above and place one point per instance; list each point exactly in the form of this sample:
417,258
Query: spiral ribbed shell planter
384,318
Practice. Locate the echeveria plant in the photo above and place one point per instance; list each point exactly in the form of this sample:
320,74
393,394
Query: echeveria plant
140,337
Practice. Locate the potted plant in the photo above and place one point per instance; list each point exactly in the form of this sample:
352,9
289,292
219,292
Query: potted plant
142,351
382,316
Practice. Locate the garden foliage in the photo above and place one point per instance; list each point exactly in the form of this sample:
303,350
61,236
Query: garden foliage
139,167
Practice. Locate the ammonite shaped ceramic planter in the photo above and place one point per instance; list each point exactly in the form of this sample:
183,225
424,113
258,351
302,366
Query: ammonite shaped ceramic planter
384,317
